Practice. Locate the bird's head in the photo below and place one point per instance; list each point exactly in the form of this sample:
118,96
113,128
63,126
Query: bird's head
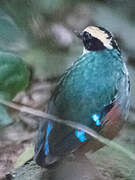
97,38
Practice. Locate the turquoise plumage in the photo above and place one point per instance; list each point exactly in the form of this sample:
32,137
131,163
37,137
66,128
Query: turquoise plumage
86,93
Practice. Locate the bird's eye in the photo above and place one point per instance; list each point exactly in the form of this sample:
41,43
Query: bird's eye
86,36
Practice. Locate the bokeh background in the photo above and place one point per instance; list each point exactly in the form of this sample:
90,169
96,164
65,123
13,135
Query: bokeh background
41,32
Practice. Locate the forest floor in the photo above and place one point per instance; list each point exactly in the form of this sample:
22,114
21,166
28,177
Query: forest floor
15,139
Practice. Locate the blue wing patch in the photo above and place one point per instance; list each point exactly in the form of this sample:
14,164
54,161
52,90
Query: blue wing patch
96,118
80,135
49,128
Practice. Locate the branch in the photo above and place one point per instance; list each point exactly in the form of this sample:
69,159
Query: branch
72,124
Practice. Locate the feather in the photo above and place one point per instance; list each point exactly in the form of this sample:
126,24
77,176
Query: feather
86,93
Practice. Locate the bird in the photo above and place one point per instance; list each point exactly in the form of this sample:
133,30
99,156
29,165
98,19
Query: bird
93,91
14,77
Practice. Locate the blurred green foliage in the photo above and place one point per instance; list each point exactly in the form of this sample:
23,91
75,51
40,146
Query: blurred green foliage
14,77
27,29
11,37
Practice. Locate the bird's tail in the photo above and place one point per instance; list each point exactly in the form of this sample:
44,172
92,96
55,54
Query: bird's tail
42,156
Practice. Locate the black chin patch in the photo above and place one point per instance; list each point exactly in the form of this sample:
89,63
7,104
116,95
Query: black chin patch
92,43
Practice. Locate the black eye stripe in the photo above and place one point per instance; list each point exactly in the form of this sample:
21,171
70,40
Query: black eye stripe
92,43
86,36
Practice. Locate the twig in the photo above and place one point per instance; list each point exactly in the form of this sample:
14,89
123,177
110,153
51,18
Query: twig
72,124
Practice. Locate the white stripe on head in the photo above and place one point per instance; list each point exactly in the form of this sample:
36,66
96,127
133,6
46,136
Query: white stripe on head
101,35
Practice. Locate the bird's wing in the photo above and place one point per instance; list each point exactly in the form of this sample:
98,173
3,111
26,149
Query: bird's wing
56,140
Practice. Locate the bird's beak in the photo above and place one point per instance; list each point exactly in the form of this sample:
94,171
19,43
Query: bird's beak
79,34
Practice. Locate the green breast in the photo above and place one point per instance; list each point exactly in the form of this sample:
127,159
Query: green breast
89,85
